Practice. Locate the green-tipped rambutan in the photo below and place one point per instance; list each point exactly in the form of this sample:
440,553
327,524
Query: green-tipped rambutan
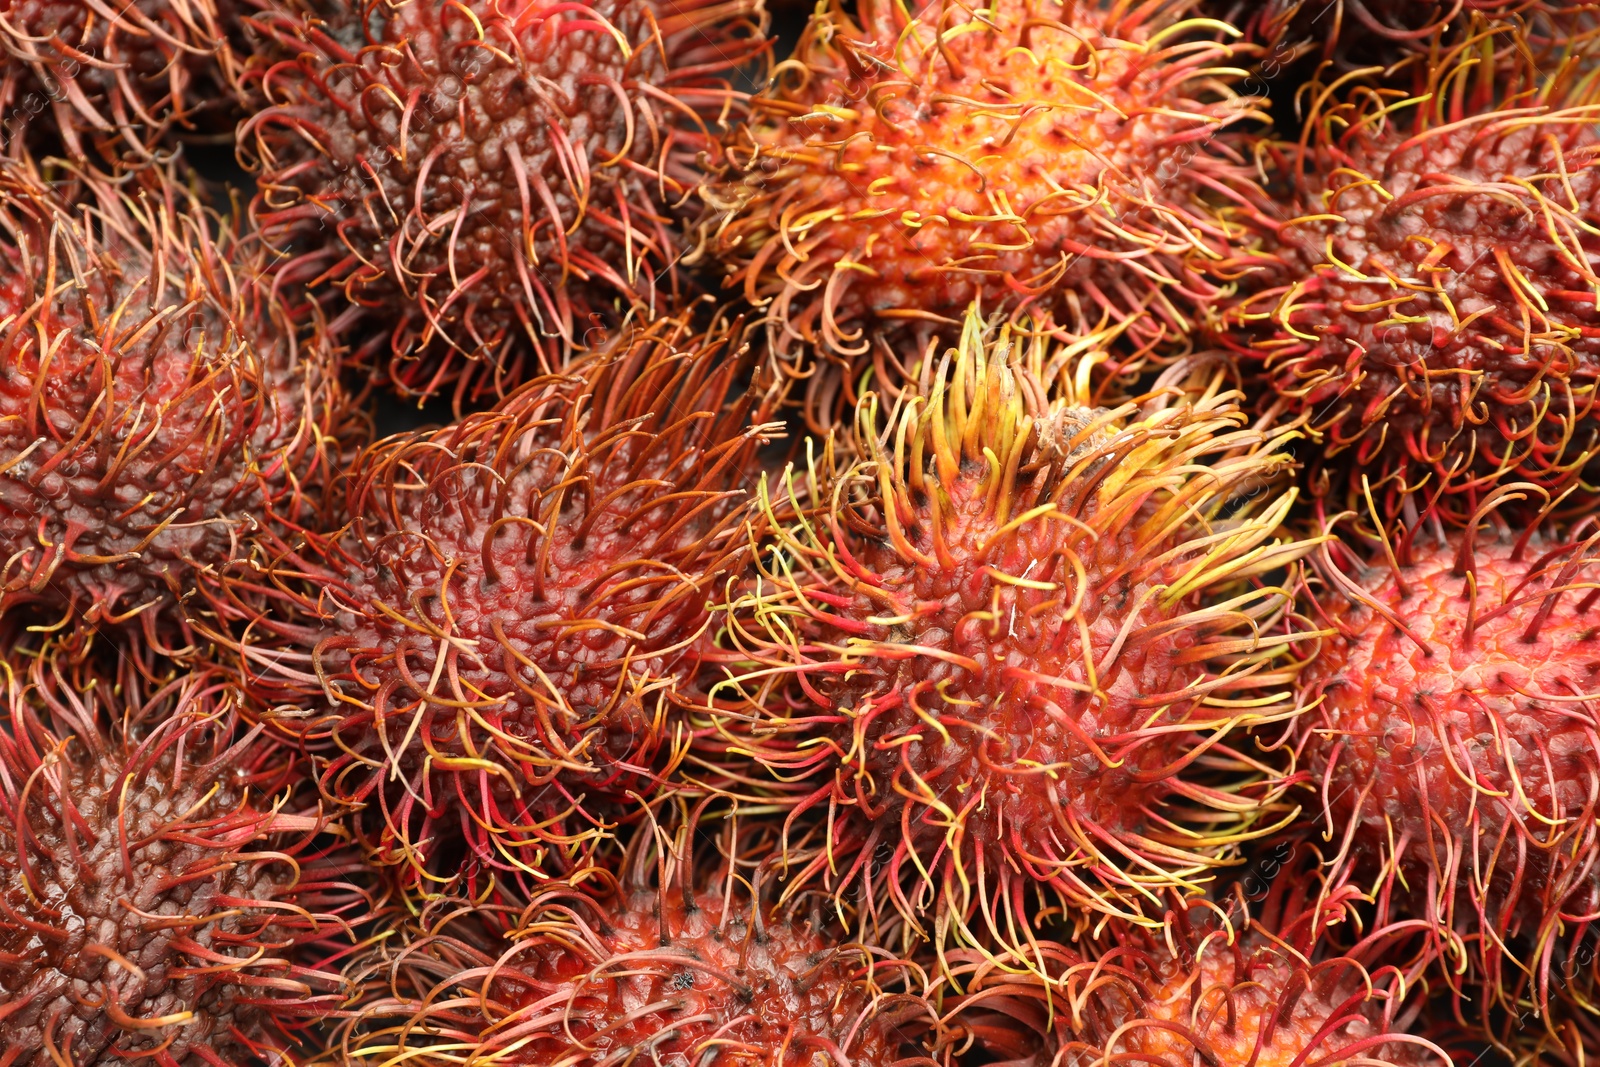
909,159
162,898
1433,305
1002,646
158,404
109,83
1454,744
1270,992
673,962
509,620
489,181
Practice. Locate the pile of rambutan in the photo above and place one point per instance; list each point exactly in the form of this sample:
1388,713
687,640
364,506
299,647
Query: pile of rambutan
727,533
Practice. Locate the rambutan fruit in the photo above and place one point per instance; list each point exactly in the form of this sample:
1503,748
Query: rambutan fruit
108,83
1453,741
489,181
1432,307
511,616
163,897
910,159
691,966
1199,990
1003,645
158,403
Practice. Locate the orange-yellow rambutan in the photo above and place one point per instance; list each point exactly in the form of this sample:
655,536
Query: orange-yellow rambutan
909,159
1003,644
489,181
507,623
1454,742
108,83
164,898
691,965
1267,992
1433,305
158,402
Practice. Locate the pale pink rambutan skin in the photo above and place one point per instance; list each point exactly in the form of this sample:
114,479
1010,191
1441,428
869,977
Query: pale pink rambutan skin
506,631
1432,310
907,161
611,969
488,181
157,405
983,651
1454,747
156,888
110,83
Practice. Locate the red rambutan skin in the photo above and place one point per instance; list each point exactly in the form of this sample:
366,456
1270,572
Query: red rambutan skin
603,971
489,177
1433,308
1037,153
155,896
1252,994
1454,742
511,616
111,82
156,406
985,649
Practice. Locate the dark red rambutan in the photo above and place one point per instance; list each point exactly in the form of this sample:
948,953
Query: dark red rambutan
1432,304
1453,738
162,900
492,178
907,160
1267,993
1001,652
110,82
511,616
692,966
157,402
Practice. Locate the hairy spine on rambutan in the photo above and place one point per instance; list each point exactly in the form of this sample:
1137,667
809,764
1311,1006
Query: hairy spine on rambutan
511,618
158,403
1432,307
908,160
1237,983
1454,741
673,960
113,82
164,896
1002,646
489,181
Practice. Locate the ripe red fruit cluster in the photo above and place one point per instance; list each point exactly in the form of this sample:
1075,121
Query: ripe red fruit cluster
938,534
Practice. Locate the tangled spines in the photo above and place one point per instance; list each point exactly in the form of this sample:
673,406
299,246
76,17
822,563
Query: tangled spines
692,966
488,181
1453,739
157,404
511,619
1201,989
1433,307
1001,645
111,83
160,899
907,161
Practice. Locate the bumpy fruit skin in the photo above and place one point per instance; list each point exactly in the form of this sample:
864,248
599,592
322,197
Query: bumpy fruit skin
1454,748
110,82
1433,308
491,177
1259,995
594,973
509,620
156,897
157,406
911,159
989,649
